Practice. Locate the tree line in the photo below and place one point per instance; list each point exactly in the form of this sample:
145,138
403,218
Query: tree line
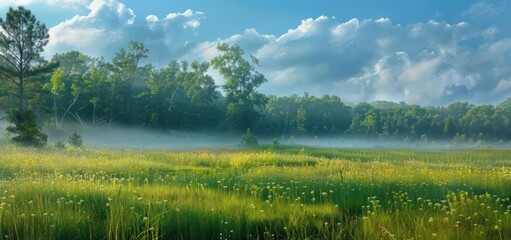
183,96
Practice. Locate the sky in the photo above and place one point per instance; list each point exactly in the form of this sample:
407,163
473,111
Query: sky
428,52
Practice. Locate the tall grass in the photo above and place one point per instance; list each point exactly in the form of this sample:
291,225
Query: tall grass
255,194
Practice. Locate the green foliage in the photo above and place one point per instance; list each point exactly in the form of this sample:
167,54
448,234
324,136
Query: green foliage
305,115
242,81
248,139
301,118
183,96
60,145
22,39
126,71
75,140
458,139
275,142
25,129
68,87
180,97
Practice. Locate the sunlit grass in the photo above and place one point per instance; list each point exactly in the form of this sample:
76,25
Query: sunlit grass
286,193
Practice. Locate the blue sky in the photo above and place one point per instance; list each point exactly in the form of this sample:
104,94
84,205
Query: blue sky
430,52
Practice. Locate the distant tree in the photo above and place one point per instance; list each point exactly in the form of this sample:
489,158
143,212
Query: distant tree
478,119
55,86
200,87
449,128
501,120
458,139
68,84
126,72
165,96
96,89
301,118
242,81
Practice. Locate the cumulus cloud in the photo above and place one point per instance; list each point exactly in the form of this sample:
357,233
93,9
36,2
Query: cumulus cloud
110,25
364,60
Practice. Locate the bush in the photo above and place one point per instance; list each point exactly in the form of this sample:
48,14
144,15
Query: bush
274,144
60,145
75,140
458,139
248,139
25,129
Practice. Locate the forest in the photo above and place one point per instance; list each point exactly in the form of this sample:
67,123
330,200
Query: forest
183,95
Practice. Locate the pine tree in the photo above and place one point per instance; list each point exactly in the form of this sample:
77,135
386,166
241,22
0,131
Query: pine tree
75,140
25,129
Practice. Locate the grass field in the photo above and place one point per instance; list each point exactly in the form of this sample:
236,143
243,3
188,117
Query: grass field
284,193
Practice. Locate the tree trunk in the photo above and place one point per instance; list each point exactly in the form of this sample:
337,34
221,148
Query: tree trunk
68,109
20,92
94,114
55,109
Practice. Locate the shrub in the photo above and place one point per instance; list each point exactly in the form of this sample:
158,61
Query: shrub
458,139
75,140
248,139
25,129
60,145
274,144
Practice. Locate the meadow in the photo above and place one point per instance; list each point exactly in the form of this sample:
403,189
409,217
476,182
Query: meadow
264,193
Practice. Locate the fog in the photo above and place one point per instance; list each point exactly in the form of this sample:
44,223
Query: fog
136,138
116,137
384,143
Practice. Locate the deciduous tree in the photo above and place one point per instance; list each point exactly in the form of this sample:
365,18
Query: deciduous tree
242,81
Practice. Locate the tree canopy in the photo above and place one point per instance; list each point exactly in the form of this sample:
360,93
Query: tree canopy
242,81
22,39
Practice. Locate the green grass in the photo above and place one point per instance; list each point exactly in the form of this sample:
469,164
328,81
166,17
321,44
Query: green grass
283,193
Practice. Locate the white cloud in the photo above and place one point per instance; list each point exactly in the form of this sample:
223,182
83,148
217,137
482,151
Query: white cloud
110,25
483,9
364,60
